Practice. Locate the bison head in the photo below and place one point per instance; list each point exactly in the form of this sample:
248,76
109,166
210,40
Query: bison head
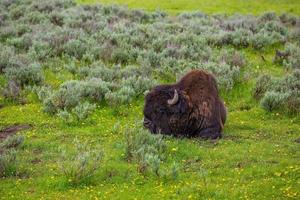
165,108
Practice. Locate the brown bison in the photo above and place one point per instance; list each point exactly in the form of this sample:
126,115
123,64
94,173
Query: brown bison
191,107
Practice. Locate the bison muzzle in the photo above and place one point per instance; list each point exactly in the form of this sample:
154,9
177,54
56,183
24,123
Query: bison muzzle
190,108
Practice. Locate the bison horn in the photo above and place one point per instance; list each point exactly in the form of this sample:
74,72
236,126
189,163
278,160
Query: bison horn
175,98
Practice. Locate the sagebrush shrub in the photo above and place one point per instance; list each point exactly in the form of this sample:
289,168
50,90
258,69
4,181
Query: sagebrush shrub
120,55
273,100
262,84
12,91
99,70
268,16
8,163
80,163
232,57
83,110
295,34
20,43
122,96
281,93
66,116
75,48
226,75
25,75
274,26
139,144
17,12
49,105
40,50
261,40
104,44
68,95
95,89
172,172
241,37
10,142
293,56
149,151
290,82
287,18
36,17
6,53
8,155
138,84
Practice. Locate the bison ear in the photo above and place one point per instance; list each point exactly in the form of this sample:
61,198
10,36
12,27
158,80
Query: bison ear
182,104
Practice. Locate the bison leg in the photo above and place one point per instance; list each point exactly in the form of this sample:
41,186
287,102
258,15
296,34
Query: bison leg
210,133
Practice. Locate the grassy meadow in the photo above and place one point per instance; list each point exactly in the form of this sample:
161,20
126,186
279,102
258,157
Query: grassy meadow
228,7
76,72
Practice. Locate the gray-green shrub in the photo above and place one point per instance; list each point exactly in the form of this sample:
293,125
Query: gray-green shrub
25,75
6,53
80,162
281,93
8,155
83,110
145,149
263,83
12,91
273,100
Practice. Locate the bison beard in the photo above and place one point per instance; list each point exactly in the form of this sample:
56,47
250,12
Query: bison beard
191,107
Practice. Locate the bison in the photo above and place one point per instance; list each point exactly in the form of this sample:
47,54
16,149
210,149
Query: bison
190,108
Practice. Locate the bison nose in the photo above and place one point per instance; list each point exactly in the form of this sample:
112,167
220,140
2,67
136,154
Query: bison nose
147,122
149,125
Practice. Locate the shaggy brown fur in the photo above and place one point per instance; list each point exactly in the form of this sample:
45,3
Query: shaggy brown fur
197,112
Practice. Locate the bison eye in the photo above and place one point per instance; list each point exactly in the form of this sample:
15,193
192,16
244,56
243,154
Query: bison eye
161,110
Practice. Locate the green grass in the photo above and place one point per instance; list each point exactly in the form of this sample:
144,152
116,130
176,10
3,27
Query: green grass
258,157
255,7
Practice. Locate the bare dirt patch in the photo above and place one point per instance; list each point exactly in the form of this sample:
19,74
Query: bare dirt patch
36,161
11,130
